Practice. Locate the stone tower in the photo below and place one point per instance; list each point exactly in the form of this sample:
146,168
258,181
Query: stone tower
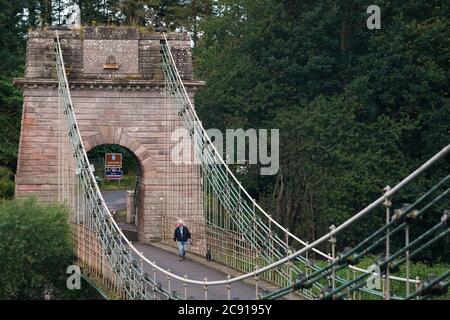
118,94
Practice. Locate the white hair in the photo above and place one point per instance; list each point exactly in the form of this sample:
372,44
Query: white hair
180,221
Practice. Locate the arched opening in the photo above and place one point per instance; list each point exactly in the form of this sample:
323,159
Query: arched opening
120,182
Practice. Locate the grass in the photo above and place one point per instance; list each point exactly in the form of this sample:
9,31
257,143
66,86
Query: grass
417,269
121,213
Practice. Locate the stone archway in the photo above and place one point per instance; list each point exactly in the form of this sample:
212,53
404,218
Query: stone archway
117,135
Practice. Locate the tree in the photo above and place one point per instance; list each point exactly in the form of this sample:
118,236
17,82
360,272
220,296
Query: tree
135,11
357,109
36,249
6,183
191,14
12,52
97,11
46,11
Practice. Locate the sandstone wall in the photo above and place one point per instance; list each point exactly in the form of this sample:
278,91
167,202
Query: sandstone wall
124,105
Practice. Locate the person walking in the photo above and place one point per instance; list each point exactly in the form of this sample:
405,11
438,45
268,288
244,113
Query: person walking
182,235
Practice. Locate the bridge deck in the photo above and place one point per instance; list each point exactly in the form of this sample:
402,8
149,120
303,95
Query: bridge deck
194,266
195,270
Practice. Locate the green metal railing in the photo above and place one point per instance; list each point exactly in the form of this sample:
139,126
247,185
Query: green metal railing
401,221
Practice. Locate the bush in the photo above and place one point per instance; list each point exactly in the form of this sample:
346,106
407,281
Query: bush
417,269
35,249
6,183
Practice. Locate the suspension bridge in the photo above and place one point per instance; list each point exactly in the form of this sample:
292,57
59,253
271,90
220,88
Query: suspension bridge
93,86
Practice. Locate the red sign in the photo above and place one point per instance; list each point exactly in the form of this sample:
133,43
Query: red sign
113,166
113,160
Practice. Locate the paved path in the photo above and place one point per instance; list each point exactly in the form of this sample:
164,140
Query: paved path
194,270
115,199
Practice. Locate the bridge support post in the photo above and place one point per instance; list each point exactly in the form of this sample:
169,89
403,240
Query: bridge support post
185,288
387,204
205,288
407,257
333,255
418,285
228,288
168,282
154,280
271,273
307,259
288,263
256,284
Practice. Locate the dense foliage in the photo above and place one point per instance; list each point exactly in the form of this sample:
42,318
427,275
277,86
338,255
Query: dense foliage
36,249
357,109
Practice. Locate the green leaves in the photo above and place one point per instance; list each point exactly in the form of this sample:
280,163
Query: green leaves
6,183
10,118
357,109
35,247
